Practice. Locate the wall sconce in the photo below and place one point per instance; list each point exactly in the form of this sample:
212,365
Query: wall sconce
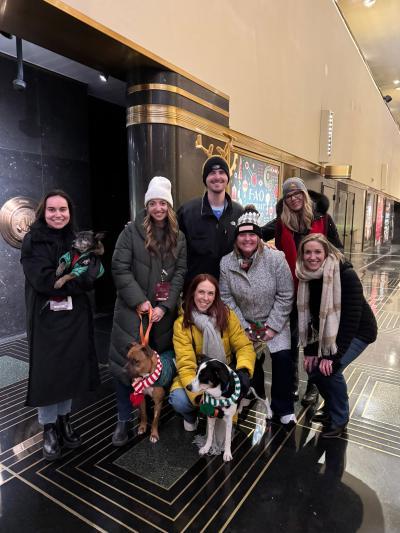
326,136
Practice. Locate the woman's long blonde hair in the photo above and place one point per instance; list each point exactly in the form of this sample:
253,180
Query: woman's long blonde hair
170,240
298,221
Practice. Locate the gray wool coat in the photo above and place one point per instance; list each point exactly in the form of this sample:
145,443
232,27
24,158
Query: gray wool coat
264,293
136,272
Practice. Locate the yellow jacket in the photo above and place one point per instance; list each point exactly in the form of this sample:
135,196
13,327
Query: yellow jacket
236,343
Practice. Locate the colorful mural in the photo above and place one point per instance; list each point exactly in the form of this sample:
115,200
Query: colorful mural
256,182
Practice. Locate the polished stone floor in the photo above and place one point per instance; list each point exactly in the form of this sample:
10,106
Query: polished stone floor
278,481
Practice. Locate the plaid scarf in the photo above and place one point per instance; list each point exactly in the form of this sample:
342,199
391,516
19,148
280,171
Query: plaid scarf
329,313
137,395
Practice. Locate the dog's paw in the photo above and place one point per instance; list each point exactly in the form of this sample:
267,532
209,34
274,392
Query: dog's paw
204,450
58,284
227,456
154,438
269,414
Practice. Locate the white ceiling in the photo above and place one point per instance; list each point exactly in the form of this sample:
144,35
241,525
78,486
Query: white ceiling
376,30
112,91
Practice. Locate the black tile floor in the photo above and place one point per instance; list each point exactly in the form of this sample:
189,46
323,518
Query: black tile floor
278,481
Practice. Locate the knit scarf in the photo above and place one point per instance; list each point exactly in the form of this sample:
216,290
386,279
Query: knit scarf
246,262
224,402
139,385
212,342
329,312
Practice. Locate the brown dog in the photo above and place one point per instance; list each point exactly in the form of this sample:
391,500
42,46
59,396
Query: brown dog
142,361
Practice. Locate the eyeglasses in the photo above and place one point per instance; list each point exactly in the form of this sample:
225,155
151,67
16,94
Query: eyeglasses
294,196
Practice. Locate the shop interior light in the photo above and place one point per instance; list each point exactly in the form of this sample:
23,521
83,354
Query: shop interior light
369,3
396,82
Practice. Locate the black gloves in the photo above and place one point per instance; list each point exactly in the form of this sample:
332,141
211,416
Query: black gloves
244,378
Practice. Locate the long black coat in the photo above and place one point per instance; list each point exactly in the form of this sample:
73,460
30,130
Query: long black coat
63,362
136,272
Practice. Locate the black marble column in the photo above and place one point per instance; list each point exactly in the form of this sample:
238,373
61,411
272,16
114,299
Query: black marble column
164,112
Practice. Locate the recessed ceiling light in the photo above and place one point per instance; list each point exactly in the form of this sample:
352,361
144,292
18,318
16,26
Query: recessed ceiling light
397,88
369,3
103,77
396,82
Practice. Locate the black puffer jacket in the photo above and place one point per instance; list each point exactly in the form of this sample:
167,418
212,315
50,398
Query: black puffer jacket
321,206
356,317
208,239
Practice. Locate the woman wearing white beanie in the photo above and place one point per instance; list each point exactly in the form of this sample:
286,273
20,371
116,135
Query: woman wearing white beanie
149,267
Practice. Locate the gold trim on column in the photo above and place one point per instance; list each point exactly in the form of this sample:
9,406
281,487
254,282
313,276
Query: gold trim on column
175,116
176,90
62,6
338,171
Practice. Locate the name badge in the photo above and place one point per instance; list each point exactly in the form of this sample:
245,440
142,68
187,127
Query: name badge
162,291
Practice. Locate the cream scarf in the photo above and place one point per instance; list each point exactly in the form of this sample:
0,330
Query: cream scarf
329,312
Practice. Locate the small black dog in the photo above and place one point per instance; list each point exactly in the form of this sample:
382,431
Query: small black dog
84,246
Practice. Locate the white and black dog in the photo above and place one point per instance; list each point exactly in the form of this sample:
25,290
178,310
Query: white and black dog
222,393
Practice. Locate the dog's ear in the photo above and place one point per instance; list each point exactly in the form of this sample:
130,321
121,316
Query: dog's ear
202,358
222,373
100,235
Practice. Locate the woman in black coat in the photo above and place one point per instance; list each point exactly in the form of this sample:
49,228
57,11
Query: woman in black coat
63,362
336,324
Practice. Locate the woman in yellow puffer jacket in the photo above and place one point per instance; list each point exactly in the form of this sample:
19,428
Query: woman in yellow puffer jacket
207,327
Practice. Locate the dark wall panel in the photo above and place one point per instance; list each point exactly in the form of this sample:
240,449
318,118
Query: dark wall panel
43,144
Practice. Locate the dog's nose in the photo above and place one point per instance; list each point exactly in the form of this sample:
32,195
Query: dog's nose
189,387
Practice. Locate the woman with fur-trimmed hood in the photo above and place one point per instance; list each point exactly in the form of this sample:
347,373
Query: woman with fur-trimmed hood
299,212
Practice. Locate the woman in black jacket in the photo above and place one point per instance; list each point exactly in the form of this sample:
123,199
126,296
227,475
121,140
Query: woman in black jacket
299,212
336,324
62,359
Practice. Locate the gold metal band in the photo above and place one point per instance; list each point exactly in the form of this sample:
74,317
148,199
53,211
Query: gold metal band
177,90
175,116
338,171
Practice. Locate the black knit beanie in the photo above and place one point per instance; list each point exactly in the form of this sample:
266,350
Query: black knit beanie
214,163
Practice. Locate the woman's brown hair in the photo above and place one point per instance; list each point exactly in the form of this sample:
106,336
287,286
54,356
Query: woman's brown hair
218,309
41,208
171,234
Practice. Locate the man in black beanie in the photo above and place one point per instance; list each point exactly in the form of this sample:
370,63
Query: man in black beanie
209,222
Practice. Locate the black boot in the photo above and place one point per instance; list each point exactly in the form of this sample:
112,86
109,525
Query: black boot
51,444
311,395
120,435
68,437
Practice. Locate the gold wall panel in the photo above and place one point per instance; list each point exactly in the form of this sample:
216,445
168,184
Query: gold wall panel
175,116
338,171
177,90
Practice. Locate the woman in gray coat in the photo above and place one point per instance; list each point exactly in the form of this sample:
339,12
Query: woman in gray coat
257,284
149,267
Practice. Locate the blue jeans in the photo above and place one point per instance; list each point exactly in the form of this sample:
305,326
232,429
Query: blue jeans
182,405
333,388
282,383
47,414
124,405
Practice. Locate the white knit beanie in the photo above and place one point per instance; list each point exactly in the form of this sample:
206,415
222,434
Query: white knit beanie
159,189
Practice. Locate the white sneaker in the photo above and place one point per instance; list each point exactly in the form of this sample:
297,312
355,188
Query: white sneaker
288,419
190,426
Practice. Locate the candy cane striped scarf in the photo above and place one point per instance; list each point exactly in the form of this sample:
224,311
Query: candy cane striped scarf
139,385
224,402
